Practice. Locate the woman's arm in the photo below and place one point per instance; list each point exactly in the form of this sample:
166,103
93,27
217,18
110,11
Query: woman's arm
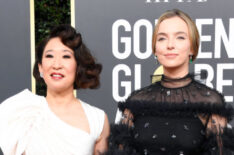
101,144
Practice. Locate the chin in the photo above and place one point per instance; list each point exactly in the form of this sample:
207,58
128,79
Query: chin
170,65
175,66
60,89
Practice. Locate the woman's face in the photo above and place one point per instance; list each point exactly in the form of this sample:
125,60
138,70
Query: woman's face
173,44
58,66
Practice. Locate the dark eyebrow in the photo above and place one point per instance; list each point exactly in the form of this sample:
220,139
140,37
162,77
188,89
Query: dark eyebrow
71,52
50,50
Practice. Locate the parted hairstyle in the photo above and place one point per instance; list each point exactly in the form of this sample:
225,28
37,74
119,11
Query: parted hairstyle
87,70
192,28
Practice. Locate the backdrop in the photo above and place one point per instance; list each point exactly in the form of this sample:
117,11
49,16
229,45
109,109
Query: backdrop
119,34
15,58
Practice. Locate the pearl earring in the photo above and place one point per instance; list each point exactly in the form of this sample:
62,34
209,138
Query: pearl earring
41,74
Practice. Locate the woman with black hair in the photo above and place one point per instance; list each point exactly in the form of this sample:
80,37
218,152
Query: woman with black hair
58,123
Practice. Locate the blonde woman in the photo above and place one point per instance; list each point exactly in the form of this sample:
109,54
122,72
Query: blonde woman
177,115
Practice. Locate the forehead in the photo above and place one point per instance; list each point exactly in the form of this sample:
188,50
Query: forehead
173,24
55,44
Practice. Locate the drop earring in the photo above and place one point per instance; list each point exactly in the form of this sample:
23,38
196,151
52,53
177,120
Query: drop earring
190,58
41,75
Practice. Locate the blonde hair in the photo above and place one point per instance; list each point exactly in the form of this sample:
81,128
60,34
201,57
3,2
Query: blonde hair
193,32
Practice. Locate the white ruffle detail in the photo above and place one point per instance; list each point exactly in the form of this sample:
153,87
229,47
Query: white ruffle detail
27,126
18,115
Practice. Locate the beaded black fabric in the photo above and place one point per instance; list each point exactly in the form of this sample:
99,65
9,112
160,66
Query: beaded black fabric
171,117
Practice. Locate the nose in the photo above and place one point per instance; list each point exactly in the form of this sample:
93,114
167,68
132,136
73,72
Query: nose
170,44
57,64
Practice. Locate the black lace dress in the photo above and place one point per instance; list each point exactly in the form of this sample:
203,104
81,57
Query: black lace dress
173,117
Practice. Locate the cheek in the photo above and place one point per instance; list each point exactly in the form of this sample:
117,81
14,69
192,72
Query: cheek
159,53
72,68
185,47
160,48
45,65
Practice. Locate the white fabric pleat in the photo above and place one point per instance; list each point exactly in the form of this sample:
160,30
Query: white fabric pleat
28,126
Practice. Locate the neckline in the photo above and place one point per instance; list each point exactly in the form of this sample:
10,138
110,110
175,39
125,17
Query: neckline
166,78
176,83
65,124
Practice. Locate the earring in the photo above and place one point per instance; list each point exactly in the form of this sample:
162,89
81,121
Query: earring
156,59
190,58
41,74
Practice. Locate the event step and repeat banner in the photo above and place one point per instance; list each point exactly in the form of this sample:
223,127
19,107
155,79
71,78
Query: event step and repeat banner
15,56
119,32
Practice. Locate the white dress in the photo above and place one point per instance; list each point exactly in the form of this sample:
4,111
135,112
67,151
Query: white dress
28,126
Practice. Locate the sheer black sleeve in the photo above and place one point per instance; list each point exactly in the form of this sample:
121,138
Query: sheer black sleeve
121,140
219,133
121,136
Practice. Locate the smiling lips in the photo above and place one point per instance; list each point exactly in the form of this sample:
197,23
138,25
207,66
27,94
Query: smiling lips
171,55
57,76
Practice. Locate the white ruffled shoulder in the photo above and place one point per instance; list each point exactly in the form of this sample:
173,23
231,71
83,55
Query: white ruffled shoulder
19,114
